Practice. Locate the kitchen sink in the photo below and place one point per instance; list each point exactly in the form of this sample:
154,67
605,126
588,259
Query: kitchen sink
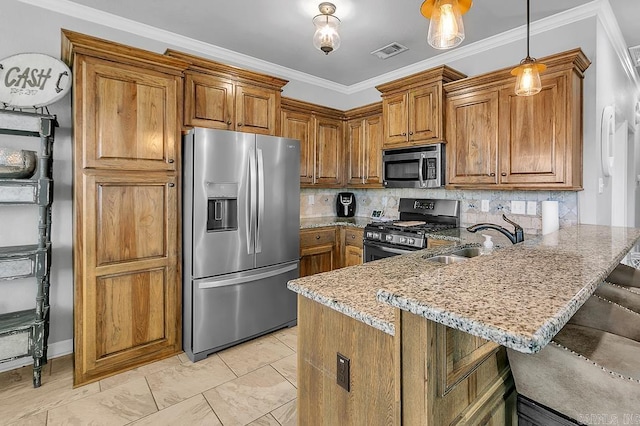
446,259
468,252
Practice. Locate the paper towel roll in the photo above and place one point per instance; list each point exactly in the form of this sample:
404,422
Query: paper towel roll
550,219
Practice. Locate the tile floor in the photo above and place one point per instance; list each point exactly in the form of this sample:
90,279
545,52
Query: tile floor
250,384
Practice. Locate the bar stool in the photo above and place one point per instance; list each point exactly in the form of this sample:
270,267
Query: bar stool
590,372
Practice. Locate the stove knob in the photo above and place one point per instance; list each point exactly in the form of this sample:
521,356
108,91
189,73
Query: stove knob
403,240
389,237
411,240
376,235
369,234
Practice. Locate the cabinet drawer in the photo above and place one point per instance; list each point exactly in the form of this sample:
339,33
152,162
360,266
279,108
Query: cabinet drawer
353,237
317,237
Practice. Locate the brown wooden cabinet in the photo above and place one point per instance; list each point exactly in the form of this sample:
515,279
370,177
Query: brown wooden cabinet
320,131
127,304
363,143
412,108
497,140
224,97
352,248
319,250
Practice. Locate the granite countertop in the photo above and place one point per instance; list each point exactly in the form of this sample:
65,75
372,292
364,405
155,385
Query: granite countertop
319,222
519,296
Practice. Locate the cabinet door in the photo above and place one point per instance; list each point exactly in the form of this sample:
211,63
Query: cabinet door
329,166
355,152
318,251
353,249
127,302
129,117
394,111
373,151
209,102
533,141
296,125
472,138
256,110
425,114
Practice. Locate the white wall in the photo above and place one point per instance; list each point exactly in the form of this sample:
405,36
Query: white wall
25,28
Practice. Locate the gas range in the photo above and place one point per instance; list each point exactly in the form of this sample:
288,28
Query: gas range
418,217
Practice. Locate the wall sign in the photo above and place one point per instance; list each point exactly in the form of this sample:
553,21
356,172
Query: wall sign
32,80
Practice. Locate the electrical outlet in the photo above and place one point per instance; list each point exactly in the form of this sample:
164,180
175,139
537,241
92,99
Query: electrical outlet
518,207
484,205
532,208
342,371
311,200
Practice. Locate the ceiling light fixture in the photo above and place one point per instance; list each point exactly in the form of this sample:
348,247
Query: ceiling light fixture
326,37
528,73
446,29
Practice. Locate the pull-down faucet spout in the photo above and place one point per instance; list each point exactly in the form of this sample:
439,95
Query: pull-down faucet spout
515,237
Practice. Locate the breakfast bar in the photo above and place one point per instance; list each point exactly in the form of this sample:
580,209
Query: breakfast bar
436,333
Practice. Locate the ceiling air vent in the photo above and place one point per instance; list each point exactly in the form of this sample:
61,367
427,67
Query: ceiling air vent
389,50
635,55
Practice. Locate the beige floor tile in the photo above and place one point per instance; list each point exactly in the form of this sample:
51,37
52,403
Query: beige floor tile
193,411
287,415
138,373
117,406
183,358
288,367
288,336
254,354
183,381
20,379
267,420
39,419
27,401
250,397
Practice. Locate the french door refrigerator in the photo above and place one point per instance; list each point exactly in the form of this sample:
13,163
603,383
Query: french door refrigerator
241,222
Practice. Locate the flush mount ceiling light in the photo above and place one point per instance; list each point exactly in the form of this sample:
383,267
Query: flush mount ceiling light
528,73
326,37
446,29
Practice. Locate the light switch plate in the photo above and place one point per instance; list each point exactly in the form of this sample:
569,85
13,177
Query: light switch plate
532,208
518,207
484,205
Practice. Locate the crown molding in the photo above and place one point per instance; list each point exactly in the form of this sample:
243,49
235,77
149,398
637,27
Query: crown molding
596,8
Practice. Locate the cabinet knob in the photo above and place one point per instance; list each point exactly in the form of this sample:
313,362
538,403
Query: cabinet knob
353,237
404,133
171,184
239,124
410,133
492,174
170,160
229,123
503,174
317,237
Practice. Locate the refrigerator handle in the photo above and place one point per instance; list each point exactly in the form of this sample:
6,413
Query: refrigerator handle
260,201
251,217
246,278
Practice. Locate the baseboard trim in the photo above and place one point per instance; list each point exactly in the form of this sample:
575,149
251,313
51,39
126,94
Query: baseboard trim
54,350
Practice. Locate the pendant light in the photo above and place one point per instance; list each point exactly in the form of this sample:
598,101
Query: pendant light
528,73
326,37
446,29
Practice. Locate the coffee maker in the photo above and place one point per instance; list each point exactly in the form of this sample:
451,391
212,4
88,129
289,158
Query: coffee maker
346,204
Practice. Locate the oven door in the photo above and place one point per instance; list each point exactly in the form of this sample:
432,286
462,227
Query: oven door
377,250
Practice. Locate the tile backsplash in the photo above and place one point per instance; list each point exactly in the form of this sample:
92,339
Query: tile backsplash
321,202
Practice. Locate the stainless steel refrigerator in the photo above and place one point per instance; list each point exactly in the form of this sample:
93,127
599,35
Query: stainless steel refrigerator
241,222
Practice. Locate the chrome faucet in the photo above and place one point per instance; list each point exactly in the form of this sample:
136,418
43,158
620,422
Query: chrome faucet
516,237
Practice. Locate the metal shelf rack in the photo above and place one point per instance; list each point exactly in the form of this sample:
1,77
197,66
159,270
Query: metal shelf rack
25,333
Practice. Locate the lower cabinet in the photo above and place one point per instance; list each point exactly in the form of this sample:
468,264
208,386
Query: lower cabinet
319,250
328,248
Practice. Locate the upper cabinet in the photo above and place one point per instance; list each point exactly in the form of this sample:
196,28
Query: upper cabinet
363,146
220,96
320,131
412,108
497,140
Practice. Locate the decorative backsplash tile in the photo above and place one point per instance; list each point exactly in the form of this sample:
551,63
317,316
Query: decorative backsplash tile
321,202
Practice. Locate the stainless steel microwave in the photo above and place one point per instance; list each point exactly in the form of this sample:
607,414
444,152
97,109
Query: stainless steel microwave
419,167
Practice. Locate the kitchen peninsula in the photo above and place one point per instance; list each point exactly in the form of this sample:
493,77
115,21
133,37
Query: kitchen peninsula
425,340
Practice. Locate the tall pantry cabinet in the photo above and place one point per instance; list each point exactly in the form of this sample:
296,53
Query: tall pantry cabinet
126,135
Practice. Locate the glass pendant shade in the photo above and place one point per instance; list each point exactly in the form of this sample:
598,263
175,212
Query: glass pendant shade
446,29
326,37
528,77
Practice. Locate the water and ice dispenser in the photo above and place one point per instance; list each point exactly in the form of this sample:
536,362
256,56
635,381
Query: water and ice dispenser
222,207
